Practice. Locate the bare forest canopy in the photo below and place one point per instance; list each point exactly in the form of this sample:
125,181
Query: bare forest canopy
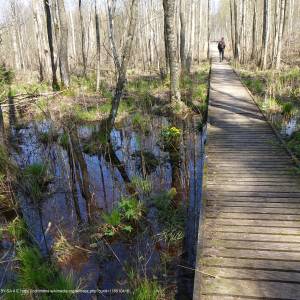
260,30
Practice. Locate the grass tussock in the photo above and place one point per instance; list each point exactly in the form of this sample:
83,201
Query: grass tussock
36,273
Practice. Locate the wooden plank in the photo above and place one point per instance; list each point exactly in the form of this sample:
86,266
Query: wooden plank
253,254
263,204
250,263
254,210
277,238
253,223
233,198
253,229
252,245
253,216
250,274
250,288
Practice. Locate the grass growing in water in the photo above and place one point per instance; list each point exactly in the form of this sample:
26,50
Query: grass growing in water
36,180
35,273
147,290
17,229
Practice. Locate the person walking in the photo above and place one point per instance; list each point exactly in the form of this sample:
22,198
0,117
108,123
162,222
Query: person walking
221,47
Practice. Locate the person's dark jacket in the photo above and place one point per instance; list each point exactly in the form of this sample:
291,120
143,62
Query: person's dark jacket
221,45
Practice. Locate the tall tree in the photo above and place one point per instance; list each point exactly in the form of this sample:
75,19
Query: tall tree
39,39
63,44
182,35
97,25
121,63
266,34
170,37
55,85
83,47
254,33
280,32
208,28
232,27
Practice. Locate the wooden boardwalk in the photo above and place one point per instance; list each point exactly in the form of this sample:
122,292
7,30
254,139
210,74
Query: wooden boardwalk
250,247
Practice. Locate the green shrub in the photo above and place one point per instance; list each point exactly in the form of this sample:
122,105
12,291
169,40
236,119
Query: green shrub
170,135
131,209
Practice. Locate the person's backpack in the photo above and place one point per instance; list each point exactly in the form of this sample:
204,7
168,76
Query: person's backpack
221,45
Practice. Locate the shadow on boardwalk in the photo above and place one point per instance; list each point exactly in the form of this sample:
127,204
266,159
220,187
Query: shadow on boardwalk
251,243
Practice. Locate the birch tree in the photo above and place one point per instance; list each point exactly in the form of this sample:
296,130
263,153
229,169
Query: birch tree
170,38
63,44
121,62
266,34
83,38
98,45
280,33
55,85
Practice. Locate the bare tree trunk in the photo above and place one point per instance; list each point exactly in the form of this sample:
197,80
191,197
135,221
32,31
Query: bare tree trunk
63,47
280,33
182,35
55,85
237,38
266,33
73,37
121,64
83,47
38,33
242,31
169,14
190,55
97,25
208,29
254,34
276,28
232,26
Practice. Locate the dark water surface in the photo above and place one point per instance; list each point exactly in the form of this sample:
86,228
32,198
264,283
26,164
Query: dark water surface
93,177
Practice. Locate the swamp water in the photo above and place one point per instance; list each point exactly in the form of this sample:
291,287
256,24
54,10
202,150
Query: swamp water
86,181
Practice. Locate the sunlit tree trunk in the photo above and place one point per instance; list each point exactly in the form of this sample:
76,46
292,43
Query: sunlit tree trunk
98,45
38,33
265,35
208,29
121,63
73,37
254,29
280,33
83,46
182,35
55,85
232,27
63,47
237,50
170,32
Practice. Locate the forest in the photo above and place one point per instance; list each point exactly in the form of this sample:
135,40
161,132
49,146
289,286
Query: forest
103,112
